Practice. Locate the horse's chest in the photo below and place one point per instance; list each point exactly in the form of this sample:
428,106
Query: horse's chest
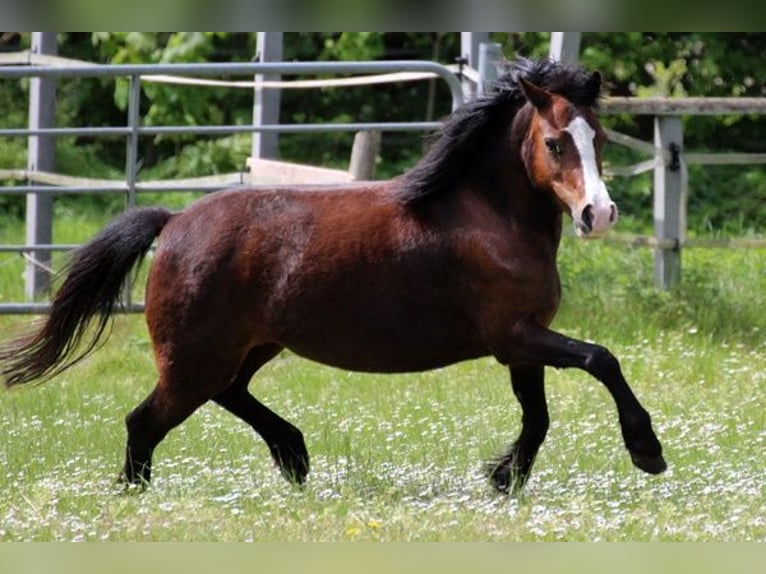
509,278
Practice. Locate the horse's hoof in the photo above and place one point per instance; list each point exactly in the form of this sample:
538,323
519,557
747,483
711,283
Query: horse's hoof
653,464
295,467
131,487
500,477
295,475
504,479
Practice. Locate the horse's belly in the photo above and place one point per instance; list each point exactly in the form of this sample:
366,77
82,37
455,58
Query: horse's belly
356,357
385,344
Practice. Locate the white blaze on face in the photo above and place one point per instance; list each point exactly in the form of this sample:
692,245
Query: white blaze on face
602,210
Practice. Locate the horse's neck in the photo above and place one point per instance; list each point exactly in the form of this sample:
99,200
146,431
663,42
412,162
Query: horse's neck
503,181
532,210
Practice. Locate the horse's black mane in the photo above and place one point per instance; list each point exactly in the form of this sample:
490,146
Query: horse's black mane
463,131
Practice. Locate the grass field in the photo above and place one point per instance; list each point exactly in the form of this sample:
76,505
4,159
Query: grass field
399,458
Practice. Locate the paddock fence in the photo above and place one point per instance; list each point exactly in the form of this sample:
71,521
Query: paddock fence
41,184
669,161
667,158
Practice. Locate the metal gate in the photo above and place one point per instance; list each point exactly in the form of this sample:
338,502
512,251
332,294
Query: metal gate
41,184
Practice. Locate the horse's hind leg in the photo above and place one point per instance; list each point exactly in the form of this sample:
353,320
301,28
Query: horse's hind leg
148,424
284,440
184,385
510,471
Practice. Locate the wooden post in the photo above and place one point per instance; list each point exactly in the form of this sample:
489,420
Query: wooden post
266,101
364,154
565,47
669,200
41,156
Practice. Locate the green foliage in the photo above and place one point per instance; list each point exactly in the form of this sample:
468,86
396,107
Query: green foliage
667,79
713,297
13,151
352,46
722,200
404,102
170,104
728,200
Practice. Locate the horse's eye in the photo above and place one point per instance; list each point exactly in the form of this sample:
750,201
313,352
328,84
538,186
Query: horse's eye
553,147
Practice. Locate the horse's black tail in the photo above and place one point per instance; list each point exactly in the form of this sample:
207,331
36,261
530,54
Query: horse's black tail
91,288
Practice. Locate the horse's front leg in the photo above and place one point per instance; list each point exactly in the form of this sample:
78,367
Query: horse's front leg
510,471
533,344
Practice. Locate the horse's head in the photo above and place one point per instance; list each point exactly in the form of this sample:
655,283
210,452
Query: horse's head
562,154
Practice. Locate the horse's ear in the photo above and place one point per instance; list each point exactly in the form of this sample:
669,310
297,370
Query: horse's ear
536,96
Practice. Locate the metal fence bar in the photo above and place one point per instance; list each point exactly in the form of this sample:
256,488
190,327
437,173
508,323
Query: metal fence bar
42,308
83,131
51,190
291,128
240,68
38,247
24,308
223,129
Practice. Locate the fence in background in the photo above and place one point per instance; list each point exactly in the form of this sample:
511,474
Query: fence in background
669,163
668,159
42,185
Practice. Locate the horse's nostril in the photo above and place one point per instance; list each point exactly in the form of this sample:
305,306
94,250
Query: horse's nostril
587,217
612,213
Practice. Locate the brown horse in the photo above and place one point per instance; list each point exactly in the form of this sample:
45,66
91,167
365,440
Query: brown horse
454,260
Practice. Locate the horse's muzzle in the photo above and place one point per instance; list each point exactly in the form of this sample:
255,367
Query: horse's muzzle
596,219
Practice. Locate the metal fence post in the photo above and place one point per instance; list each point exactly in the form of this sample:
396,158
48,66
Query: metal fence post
131,149
41,156
469,51
565,47
266,101
490,53
669,200
131,167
